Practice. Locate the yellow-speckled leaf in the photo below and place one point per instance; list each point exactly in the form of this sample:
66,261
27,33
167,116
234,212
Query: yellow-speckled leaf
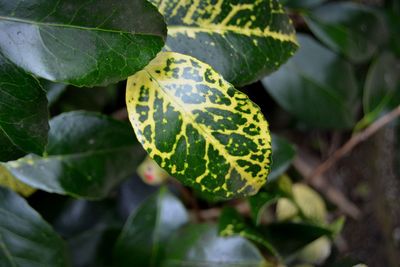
243,40
198,127
8,180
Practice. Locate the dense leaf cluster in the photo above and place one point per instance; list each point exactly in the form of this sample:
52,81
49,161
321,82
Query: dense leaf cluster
182,60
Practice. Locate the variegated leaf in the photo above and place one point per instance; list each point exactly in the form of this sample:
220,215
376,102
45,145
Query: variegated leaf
198,127
243,40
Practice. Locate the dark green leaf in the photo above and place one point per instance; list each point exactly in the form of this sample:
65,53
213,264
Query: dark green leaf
87,155
316,86
393,21
382,87
145,234
288,238
84,42
352,29
25,238
301,3
90,228
23,113
200,246
242,40
92,248
283,153
280,188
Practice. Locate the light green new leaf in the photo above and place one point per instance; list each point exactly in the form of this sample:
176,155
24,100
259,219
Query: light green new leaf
87,155
23,113
242,40
81,42
145,234
199,128
351,29
25,238
270,194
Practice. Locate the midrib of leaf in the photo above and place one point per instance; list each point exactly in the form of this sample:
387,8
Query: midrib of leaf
9,138
7,252
211,139
25,21
221,29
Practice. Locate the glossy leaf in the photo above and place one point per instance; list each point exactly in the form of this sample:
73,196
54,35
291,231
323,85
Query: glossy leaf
25,238
242,40
145,234
283,154
200,245
316,86
351,29
84,42
199,128
87,155
8,180
382,87
23,113
280,188
53,90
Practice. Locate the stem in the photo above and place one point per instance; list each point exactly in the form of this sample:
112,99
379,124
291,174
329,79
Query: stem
354,141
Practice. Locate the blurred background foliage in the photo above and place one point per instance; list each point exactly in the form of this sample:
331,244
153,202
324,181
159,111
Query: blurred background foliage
344,77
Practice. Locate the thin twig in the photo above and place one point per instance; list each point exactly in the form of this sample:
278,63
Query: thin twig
304,164
354,141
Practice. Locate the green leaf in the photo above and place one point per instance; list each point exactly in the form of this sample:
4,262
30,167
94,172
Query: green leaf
242,40
231,223
87,155
85,42
200,246
280,188
316,86
382,86
199,128
146,232
23,112
351,29
301,3
283,154
25,238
